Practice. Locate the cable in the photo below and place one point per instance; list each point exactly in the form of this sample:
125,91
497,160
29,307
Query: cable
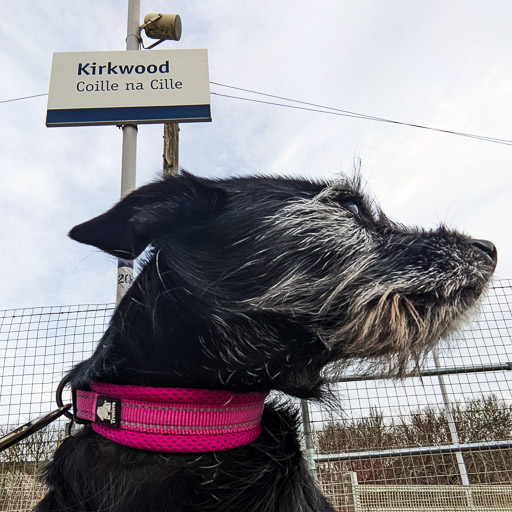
24,98
347,113
353,114
283,105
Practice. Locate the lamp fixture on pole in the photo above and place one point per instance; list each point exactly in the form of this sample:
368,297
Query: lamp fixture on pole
164,27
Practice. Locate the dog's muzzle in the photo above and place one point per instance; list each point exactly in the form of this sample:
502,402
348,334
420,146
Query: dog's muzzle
170,419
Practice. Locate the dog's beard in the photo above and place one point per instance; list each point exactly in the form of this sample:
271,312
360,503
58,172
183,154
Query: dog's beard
387,294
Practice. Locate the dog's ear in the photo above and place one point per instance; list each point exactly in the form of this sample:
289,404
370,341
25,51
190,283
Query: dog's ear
133,223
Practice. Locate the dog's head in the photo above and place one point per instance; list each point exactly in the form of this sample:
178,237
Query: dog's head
260,282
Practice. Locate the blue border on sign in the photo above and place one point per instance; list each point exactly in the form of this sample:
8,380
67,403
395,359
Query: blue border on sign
121,115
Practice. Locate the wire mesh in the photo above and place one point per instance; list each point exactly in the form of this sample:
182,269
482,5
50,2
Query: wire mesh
379,445
396,445
37,347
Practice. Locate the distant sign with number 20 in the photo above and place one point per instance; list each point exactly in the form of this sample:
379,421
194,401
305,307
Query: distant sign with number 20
157,86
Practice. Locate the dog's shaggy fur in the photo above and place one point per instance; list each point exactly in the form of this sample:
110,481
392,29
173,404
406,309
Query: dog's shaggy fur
254,284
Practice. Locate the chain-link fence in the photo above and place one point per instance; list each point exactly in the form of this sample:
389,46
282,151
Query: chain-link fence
439,441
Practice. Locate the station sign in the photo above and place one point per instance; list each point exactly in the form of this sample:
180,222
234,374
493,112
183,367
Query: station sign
102,88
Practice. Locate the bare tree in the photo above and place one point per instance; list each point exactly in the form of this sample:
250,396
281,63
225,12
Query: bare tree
481,419
19,465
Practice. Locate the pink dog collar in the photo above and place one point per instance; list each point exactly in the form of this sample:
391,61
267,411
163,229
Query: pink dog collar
171,419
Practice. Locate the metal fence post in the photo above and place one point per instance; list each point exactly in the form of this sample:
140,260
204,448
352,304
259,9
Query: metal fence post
308,436
453,432
350,490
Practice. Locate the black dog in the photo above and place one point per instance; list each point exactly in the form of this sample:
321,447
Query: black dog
253,285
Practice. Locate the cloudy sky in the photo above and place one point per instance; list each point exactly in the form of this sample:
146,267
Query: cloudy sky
444,64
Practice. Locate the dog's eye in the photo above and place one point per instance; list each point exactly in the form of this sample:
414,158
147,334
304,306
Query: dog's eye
347,199
351,206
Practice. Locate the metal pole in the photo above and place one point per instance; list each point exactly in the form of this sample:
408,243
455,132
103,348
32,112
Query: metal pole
430,372
414,452
129,156
451,424
308,435
453,432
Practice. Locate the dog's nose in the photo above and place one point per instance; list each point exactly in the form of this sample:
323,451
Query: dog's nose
488,247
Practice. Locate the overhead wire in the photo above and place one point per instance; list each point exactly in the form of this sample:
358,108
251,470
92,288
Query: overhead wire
24,98
347,113
321,109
